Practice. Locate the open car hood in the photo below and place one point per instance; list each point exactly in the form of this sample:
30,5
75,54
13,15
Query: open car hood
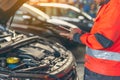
8,8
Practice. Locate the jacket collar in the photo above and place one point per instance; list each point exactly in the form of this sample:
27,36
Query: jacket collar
105,2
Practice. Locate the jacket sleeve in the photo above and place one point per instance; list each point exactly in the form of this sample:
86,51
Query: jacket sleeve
95,41
107,31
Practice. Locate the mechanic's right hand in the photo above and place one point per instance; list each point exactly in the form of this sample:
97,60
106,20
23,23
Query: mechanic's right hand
67,35
70,34
75,30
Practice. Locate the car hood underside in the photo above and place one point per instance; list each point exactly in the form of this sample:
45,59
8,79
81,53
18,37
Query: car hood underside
8,8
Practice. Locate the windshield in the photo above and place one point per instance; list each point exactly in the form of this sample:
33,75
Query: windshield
54,11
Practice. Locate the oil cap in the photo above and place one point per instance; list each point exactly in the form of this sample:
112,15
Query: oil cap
12,60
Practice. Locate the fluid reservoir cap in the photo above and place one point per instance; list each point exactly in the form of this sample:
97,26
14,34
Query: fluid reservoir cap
12,60
12,66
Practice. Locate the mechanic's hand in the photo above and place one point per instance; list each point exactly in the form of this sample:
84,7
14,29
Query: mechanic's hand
70,34
76,30
67,35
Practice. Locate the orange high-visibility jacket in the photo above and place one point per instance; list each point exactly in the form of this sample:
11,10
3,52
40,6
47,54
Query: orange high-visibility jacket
103,41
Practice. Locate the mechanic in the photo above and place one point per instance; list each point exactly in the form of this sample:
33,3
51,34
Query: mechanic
102,58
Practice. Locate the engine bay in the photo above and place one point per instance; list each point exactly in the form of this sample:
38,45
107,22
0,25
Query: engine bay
34,55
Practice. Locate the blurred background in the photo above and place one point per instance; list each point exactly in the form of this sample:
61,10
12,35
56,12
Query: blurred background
86,5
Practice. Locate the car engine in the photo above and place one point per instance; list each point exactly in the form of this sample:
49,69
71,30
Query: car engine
34,58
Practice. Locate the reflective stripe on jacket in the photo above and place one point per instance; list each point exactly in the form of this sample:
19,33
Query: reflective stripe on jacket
101,54
103,62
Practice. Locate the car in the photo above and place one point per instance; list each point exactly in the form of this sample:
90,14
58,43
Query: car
35,58
68,13
24,57
32,21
